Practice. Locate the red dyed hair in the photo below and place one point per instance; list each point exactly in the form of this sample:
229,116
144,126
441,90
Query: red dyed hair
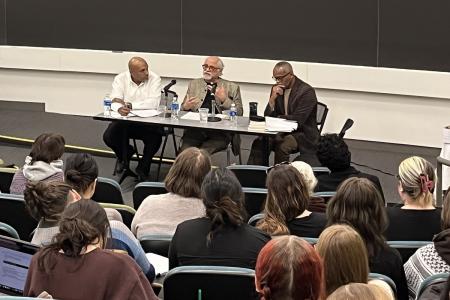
288,268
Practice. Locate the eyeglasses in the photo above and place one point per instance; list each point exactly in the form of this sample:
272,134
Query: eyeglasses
277,165
212,68
279,78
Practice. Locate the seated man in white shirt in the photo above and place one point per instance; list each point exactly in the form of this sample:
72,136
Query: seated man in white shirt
137,88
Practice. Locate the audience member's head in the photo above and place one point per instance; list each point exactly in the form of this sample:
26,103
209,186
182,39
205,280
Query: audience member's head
287,198
186,175
358,291
82,224
288,267
344,256
308,175
223,199
358,202
81,173
417,181
47,147
333,153
47,199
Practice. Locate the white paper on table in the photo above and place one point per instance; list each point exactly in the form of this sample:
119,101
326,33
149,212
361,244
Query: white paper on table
160,263
194,116
144,113
280,125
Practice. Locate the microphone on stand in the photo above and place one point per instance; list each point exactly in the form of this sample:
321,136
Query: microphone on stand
168,86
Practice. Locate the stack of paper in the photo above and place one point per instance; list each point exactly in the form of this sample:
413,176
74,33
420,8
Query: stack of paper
257,126
280,125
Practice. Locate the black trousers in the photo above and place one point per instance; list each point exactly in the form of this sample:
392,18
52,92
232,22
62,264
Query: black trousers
118,132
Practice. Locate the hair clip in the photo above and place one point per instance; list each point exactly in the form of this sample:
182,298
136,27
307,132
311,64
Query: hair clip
425,183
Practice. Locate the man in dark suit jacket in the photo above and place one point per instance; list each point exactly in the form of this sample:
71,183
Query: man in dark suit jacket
334,154
290,99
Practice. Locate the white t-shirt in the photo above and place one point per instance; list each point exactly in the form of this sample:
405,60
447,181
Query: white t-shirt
143,96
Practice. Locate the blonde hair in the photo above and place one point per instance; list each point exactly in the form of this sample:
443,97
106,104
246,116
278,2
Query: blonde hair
308,175
344,255
356,291
418,180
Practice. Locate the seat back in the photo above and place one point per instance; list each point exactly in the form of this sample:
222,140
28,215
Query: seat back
144,189
386,279
6,177
9,231
156,243
325,195
126,212
254,219
249,175
322,112
407,248
254,200
320,170
210,282
14,213
107,191
432,280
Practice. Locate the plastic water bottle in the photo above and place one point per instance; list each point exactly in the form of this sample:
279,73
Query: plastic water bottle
233,114
107,106
175,108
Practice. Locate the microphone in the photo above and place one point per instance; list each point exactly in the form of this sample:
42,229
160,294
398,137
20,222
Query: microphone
167,87
347,125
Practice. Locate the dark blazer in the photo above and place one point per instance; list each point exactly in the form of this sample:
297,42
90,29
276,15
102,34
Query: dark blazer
302,107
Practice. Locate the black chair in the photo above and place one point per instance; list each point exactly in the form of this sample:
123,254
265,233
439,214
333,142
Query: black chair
249,175
322,112
6,177
210,282
9,231
144,189
156,243
386,279
126,212
320,170
407,248
107,191
254,200
14,213
325,195
436,279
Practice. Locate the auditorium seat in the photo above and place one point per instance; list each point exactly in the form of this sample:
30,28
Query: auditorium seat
144,189
210,282
439,278
407,248
107,191
156,243
8,230
254,200
125,211
6,177
13,213
325,195
250,176
386,279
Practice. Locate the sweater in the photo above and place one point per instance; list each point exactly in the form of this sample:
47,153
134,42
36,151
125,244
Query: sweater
160,214
230,246
99,275
122,239
428,260
412,224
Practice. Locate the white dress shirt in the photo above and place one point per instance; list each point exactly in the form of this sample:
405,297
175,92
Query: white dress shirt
146,95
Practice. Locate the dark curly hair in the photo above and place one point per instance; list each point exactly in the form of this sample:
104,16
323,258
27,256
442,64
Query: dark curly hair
333,153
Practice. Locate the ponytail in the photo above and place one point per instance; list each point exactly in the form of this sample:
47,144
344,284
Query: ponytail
225,212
